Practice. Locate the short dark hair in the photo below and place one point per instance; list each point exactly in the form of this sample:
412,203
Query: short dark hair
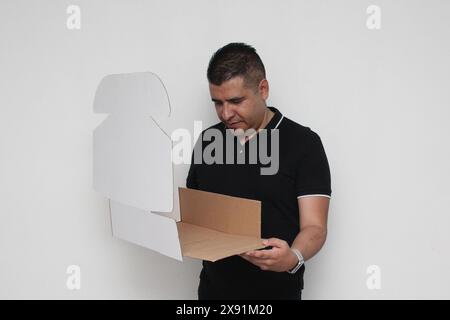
236,59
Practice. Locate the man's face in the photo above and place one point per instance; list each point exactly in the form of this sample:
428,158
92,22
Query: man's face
237,106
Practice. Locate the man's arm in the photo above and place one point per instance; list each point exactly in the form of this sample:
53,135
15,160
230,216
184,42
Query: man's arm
313,225
313,232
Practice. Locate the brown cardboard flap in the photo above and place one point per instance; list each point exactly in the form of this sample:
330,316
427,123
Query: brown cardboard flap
215,226
207,244
220,212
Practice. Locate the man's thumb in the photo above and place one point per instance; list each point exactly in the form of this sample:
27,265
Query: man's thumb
274,242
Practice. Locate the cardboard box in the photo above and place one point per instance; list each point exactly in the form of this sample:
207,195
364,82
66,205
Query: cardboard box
215,226
132,167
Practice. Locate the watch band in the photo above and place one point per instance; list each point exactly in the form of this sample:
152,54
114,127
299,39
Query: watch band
300,261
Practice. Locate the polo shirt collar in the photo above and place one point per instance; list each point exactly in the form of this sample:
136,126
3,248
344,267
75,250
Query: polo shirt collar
276,119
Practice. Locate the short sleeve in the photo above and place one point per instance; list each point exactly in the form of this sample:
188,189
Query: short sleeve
313,175
192,177
191,180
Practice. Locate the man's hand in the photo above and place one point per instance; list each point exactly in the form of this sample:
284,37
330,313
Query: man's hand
280,258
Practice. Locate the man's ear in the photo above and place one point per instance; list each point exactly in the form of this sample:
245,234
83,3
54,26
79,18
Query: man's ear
263,89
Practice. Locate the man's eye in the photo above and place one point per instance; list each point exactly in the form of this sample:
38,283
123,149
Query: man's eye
236,101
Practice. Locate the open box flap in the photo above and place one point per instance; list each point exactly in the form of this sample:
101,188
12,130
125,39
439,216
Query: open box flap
215,226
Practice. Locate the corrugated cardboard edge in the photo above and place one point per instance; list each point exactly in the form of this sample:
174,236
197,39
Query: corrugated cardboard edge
215,226
211,245
220,212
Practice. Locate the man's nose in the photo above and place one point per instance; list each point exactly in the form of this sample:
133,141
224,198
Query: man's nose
227,111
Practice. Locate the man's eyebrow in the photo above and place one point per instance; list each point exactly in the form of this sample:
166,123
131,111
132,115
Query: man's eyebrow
229,100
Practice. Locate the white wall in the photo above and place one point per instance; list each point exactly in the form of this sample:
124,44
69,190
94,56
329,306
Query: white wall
378,98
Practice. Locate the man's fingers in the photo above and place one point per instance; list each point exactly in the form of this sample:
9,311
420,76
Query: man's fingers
275,242
262,254
264,264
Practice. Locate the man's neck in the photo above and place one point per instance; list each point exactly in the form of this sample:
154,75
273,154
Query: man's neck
268,115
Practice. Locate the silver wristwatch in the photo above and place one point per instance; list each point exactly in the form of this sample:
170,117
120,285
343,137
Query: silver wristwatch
301,261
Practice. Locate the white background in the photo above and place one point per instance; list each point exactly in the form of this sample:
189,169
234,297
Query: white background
379,99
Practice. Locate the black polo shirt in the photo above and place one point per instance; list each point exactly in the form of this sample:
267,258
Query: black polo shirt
303,170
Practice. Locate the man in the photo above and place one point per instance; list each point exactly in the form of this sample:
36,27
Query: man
294,200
